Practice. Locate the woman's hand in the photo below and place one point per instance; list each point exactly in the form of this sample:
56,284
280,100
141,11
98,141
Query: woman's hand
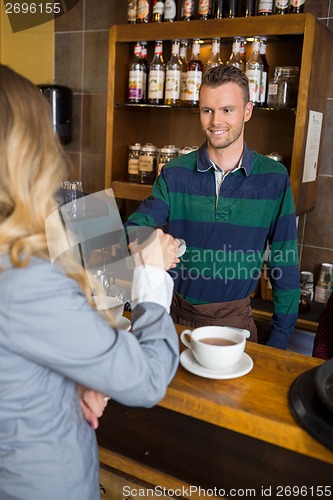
159,250
92,404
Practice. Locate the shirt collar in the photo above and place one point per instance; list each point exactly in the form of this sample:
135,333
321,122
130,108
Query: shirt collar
204,163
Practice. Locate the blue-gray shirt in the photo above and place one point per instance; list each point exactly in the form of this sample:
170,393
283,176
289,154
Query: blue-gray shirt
51,339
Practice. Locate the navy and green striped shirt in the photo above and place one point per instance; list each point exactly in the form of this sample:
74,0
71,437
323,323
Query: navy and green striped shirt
227,235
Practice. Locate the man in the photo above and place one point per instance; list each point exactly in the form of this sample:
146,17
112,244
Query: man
227,203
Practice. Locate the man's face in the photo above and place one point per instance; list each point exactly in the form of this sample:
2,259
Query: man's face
223,113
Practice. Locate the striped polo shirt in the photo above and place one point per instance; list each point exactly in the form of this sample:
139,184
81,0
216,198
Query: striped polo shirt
227,231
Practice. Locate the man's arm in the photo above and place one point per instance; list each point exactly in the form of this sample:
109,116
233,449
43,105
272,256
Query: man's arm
284,269
152,213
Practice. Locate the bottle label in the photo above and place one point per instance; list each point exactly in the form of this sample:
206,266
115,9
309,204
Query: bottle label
273,89
203,8
183,52
216,47
156,84
188,8
175,49
135,85
297,3
172,84
254,77
131,11
263,87
282,4
265,6
170,10
143,9
133,166
158,8
193,82
183,86
146,163
137,49
236,47
195,50
158,50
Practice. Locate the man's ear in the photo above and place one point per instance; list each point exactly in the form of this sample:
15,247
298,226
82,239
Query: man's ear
248,111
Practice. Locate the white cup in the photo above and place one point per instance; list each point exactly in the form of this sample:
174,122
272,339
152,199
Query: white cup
216,347
116,306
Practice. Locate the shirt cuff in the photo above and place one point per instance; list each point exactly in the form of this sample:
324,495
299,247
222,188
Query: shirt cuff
152,284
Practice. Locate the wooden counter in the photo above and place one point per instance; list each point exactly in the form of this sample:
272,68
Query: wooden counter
243,422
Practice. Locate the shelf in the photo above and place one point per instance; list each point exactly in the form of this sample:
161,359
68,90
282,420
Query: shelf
131,190
195,109
243,26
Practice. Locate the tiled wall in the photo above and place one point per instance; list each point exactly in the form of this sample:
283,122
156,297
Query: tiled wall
81,47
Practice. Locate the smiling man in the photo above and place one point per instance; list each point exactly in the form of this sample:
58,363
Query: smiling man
229,204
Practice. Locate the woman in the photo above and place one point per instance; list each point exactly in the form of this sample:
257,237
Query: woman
51,339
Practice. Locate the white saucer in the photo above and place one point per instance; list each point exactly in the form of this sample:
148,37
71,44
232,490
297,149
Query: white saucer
244,366
124,324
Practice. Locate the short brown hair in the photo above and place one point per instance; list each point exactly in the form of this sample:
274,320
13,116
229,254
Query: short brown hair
218,75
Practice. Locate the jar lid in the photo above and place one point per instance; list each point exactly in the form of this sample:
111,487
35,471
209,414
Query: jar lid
275,156
185,150
171,148
149,148
289,70
136,146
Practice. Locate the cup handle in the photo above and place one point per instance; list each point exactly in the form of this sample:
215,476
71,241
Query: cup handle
246,334
184,339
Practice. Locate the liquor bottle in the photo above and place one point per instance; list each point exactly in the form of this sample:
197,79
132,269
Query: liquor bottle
131,11
265,70
217,9
204,9
296,6
143,11
215,56
194,75
156,75
184,61
265,7
236,59
136,77
187,10
145,69
232,8
254,67
157,11
281,7
170,10
248,8
173,76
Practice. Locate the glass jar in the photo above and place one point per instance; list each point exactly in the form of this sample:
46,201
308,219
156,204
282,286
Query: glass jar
147,164
288,87
133,162
166,154
283,89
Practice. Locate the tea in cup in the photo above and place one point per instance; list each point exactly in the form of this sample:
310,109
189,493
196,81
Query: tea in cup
216,347
116,306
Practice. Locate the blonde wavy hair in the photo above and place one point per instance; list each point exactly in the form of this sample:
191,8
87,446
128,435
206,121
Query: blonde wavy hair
32,167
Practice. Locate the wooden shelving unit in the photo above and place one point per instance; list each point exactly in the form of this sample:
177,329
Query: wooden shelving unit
291,40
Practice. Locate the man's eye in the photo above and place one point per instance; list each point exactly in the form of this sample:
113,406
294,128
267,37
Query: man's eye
206,111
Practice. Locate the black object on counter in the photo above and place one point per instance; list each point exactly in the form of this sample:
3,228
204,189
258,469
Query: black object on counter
309,406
